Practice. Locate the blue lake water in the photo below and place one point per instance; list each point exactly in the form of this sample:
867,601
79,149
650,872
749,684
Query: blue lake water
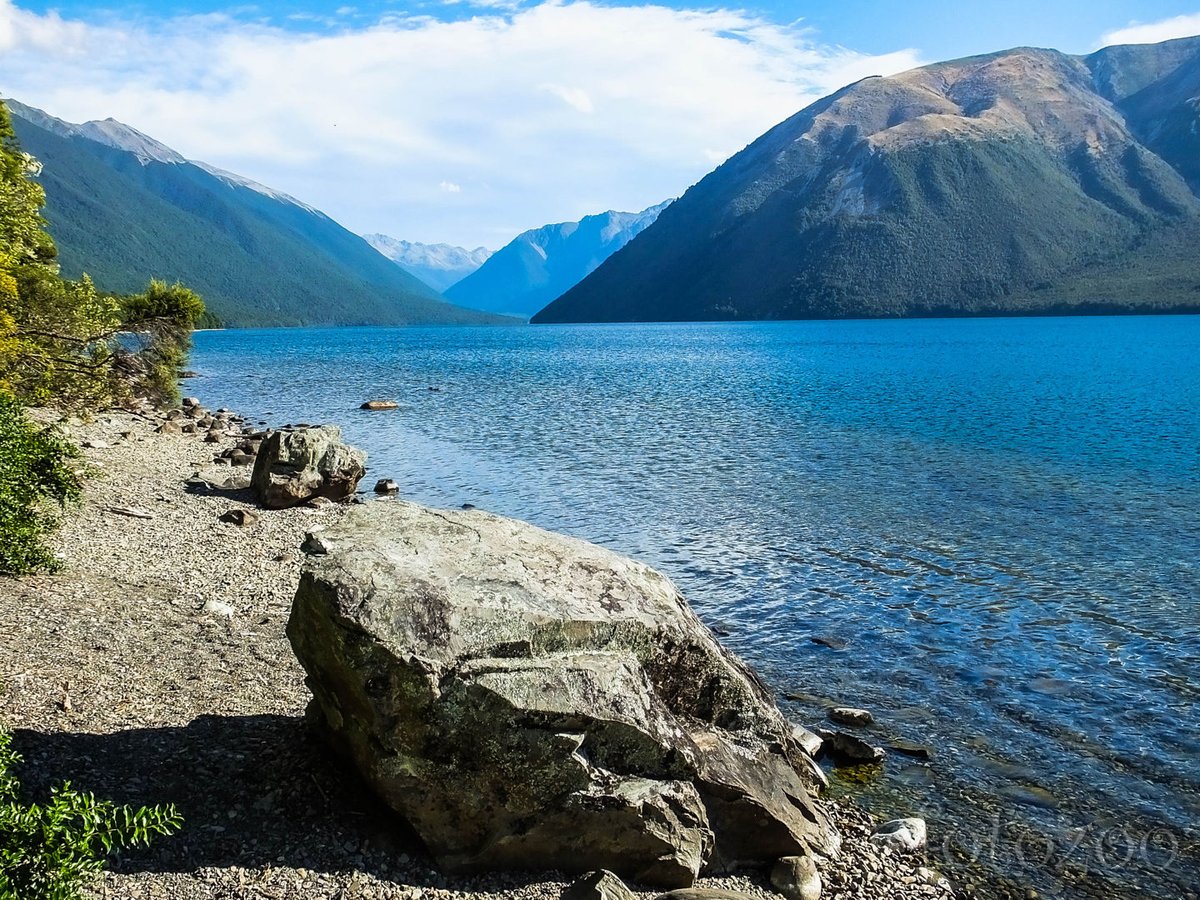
995,523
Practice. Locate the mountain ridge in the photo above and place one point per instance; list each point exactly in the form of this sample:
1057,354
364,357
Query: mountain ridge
438,265
126,207
540,264
991,184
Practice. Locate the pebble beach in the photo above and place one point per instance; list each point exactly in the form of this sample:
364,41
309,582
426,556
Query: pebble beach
154,668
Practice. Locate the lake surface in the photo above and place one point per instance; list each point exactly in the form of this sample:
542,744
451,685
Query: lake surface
994,522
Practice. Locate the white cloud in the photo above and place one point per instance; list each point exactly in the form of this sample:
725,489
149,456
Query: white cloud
450,187
576,98
547,113
1153,32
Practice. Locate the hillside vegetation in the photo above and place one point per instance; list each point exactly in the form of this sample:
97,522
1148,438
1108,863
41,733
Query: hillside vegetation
129,207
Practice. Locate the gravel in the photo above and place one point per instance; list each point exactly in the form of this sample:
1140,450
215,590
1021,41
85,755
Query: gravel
154,668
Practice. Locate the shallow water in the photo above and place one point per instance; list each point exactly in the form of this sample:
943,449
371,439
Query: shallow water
1000,518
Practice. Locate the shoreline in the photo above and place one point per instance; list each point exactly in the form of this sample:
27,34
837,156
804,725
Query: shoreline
154,668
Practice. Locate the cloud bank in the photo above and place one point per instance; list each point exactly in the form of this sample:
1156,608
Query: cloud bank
465,131
1154,32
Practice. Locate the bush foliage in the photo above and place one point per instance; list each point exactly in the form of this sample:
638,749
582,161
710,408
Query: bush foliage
49,851
36,479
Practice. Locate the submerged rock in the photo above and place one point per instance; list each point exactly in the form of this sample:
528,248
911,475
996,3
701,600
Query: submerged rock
295,466
852,716
848,748
527,700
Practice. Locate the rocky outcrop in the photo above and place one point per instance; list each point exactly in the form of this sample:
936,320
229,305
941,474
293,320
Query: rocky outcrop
293,467
527,700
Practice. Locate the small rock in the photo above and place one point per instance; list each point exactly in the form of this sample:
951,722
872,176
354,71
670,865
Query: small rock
903,834
920,751
797,878
386,486
849,715
285,556
213,437
843,747
94,445
319,503
695,893
241,517
240,458
188,427
380,404
810,743
218,608
599,885
169,427
189,402
938,880
314,545
173,414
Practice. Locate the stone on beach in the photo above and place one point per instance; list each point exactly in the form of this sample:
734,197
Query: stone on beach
904,834
380,404
528,700
295,466
240,517
598,885
797,878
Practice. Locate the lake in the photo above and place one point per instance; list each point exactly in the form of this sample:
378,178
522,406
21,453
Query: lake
991,525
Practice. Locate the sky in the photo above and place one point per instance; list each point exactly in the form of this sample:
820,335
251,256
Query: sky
468,121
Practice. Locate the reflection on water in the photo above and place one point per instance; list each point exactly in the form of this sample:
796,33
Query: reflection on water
990,527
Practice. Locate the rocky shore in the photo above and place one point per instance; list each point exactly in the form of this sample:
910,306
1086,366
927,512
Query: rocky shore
155,668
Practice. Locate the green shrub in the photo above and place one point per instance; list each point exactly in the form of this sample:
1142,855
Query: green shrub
49,851
36,478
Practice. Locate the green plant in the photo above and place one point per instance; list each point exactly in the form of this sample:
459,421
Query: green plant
49,851
36,476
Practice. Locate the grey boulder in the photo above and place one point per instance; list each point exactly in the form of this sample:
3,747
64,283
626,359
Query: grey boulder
293,467
529,701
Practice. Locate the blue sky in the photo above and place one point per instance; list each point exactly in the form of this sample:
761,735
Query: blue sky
471,120
943,29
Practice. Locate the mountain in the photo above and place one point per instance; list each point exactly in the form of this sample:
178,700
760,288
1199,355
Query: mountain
1026,181
537,266
124,208
438,265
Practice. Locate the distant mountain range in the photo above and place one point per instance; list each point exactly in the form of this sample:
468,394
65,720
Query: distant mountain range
538,265
124,208
438,265
1026,181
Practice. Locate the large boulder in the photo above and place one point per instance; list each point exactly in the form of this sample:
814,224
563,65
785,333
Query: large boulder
293,467
528,700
